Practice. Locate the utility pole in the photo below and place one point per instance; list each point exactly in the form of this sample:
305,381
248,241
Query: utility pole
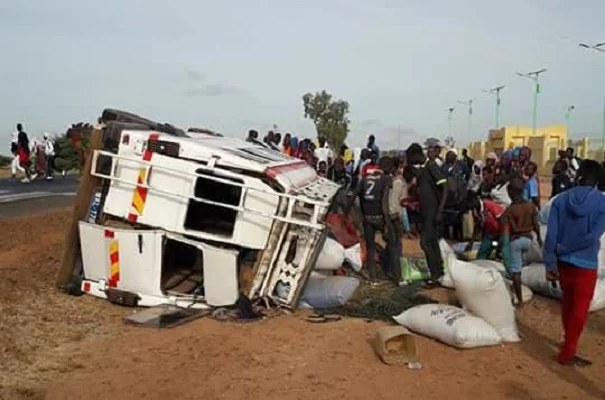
469,103
398,137
450,112
496,92
599,48
534,76
568,119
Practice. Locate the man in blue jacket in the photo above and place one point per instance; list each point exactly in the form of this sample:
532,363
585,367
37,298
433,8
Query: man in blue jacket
575,226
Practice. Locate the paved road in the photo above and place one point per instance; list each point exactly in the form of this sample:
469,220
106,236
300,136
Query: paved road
17,198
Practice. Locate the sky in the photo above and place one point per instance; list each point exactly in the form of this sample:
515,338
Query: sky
244,64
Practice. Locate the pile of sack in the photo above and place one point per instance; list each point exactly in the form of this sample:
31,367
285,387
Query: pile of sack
487,317
343,245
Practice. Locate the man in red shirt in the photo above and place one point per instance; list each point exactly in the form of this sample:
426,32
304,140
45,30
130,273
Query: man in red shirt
486,214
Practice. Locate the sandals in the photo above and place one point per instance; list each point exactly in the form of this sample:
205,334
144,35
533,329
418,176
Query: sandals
317,318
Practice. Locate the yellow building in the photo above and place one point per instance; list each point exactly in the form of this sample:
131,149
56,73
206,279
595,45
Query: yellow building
545,145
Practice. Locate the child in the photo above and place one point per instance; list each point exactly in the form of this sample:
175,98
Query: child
486,214
531,191
575,225
517,223
560,179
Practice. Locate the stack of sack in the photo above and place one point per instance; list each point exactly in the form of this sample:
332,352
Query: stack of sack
487,317
323,290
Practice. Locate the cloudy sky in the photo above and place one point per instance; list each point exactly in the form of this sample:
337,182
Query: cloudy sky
241,64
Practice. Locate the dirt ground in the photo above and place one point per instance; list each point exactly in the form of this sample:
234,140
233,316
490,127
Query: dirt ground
58,347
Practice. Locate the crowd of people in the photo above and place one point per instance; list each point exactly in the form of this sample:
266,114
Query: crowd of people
497,200
32,158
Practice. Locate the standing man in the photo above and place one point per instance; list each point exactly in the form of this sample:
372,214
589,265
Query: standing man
372,147
323,152
252,136
15,161
49,152
432,195
575,226
467,160
23,153
373,193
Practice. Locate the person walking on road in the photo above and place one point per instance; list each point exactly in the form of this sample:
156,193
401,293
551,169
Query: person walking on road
23,152
15,161
49,152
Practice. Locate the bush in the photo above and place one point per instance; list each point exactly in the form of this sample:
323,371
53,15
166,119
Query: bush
66,157
4,161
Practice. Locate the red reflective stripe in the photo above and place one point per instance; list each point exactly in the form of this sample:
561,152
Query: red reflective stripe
112,282
273,172
109,234
87,286
114,258
133,217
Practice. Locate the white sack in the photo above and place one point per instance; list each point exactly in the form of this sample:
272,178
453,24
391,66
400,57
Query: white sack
329,292
353,256
331,256
482,291
450,325
534,276
526,293
497,265
448,256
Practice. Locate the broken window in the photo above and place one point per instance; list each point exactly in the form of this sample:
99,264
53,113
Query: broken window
212,218
182,268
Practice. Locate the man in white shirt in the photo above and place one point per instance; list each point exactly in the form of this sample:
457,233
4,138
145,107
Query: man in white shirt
323,152
15,161
49,151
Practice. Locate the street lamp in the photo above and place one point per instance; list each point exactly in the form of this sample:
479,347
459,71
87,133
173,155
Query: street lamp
450,112
496,92
599,48
568,119
468,103
534,77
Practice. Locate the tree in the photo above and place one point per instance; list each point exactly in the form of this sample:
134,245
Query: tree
329,116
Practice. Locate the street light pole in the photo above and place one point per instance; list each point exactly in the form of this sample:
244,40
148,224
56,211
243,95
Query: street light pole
469,103
496,92
450,112
599,48
568,119
534,76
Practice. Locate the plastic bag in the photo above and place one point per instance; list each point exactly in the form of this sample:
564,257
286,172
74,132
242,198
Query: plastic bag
450,325
500,195
331,255
329,292
482,291
353,257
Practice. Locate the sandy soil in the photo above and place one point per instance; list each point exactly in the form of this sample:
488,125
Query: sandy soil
59,347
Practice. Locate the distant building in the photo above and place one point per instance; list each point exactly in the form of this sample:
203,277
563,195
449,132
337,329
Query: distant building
545,145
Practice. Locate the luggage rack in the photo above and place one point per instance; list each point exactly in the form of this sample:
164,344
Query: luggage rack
314,194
